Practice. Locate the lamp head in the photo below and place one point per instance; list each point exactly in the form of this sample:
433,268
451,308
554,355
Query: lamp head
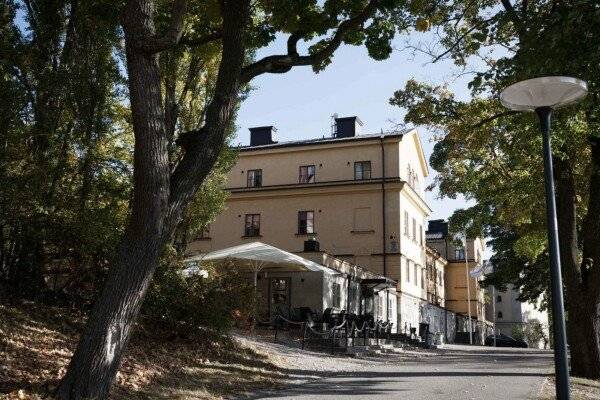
547,91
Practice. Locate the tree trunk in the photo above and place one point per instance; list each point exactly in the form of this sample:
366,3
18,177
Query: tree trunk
582,289
584,335
97,358
585,319
159,198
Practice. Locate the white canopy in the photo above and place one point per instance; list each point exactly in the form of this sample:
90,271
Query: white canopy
257,256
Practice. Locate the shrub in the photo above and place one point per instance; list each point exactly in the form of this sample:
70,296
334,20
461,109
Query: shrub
182,306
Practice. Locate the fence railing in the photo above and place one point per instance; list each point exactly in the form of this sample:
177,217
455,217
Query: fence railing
338,337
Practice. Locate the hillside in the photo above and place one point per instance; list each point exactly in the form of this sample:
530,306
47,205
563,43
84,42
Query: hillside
36,343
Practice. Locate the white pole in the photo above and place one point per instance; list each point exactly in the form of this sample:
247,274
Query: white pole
468,289
494,311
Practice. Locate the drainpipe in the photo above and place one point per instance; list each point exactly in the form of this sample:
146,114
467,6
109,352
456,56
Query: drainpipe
384,234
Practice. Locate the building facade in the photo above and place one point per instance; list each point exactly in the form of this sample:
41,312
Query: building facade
459,261
511,315
360,196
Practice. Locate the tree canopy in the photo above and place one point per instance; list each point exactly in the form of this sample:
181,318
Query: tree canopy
493,155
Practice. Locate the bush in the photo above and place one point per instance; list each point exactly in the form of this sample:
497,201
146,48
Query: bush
182,306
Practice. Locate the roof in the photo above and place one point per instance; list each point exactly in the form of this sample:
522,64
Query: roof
325,140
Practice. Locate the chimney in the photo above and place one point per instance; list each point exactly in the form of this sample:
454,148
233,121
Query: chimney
437,227
262,135
347,126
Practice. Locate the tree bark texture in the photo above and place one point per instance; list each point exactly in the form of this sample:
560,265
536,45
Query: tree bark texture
581,273
159,199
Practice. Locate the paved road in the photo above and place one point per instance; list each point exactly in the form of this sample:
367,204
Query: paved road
458,372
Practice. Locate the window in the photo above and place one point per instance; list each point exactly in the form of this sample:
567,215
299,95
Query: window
498,299
254,178
407,271
390,308
422,279
414,229
306,222
362,170
252,226
459,254
336,295
421,235
416,275
406,223
307,174
500,314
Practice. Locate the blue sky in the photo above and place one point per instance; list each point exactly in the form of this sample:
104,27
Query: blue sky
300,103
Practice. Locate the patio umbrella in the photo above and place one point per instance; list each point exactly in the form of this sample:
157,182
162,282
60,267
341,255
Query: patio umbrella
255,257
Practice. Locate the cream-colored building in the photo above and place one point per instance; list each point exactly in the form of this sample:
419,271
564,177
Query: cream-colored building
436,276
360,196
459,261
510,314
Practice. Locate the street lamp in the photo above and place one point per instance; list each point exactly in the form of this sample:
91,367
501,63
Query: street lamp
542,95
466,248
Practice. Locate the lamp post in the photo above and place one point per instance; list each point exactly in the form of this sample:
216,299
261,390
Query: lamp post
542,95
466,245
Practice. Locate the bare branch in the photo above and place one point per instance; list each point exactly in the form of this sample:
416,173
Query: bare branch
202,40
462,37
284,62
494,117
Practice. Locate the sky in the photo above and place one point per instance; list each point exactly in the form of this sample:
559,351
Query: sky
300,103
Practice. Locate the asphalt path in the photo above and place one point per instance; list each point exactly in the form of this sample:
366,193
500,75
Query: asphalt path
456,372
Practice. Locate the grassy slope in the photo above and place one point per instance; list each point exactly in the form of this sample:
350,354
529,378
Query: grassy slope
36,343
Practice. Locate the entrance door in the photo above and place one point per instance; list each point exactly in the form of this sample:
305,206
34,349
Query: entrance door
279,301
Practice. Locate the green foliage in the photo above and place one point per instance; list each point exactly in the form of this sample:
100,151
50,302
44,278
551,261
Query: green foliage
492,155
66,153
531,332
182,306
313,20
65,158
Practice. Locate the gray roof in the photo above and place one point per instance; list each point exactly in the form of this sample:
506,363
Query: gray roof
323,140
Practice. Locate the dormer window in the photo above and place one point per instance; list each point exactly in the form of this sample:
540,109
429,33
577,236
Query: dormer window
254,178
307,174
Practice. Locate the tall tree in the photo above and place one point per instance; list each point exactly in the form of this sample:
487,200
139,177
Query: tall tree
162,191
493,155
64,159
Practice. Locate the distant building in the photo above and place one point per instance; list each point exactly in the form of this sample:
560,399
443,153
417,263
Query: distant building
458,260
436,275
360,196
512,315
